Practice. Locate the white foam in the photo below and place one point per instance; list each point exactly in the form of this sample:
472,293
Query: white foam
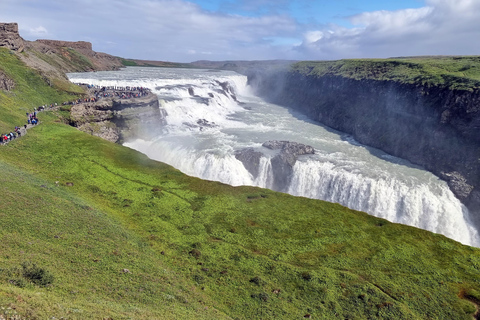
342,170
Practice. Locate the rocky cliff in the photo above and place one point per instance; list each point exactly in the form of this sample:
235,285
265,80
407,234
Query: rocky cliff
80,45
6,83
117,120
10,38
52,58
432,126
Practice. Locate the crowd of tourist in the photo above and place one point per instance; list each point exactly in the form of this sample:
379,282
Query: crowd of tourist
98,93
18,131
4,138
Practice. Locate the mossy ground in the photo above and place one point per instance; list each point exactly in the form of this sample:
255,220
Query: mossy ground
84,209
455,73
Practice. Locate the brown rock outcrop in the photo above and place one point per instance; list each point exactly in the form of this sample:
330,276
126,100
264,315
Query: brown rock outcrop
5,82
118,120
81,45
10,38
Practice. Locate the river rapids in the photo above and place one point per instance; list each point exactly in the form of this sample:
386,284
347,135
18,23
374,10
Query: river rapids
213,114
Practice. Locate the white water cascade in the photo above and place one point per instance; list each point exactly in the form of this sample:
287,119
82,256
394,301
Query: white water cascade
211,114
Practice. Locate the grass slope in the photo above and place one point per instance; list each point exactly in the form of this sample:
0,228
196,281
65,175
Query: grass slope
77,210
30,91
455,73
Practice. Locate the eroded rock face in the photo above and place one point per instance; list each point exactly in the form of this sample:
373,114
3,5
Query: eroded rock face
10,38
82,45
282,163
288,147
434,127
250,159
6,83
118,120
458,184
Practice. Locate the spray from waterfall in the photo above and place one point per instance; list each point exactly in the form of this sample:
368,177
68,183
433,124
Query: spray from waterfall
212,115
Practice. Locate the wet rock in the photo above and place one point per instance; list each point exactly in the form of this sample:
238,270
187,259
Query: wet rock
206,123
458,184
282,163
289,147
227,89
250,159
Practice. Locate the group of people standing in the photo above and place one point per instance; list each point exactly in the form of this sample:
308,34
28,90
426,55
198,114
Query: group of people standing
32,117
4,138
19,131
98,93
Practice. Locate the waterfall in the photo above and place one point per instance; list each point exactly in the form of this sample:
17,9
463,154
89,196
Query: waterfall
211,115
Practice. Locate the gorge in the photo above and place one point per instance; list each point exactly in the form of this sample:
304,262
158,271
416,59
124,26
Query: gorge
113,234
217,130
430,124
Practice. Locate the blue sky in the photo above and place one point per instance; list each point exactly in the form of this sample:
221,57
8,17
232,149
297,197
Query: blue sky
183,31
307,11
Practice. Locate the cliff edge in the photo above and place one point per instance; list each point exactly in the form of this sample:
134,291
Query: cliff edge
52,58
427,112
116,120
10,38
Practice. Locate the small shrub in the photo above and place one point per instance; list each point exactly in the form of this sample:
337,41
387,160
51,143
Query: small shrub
198,278
257,280
306,276
261,296
94,189
21,283
195,253
197,245
37,275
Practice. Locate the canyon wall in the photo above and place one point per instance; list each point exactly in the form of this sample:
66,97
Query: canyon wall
430,126
118,120
10,38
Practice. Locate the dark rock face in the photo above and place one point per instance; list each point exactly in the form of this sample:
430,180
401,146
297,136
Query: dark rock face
282,163
227,90
117,120
434,127
10,38
250,159
288,147
458,184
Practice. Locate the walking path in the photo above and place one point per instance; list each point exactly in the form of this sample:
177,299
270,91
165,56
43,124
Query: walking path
95,94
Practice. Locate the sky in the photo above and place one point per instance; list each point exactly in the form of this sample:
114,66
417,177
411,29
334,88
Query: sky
185,31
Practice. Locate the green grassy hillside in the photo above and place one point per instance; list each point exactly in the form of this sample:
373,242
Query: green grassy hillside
93,230
460,73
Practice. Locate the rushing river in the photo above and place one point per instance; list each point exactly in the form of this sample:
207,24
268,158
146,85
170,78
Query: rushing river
212,114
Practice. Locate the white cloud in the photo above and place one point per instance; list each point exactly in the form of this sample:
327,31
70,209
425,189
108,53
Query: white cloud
441,27
38,31
178,30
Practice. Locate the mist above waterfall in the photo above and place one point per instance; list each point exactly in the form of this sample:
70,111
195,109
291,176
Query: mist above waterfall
213,115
